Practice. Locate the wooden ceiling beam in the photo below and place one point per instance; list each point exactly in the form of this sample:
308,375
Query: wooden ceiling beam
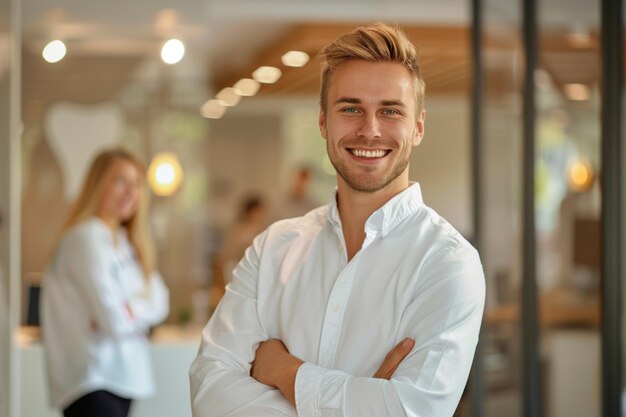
437,44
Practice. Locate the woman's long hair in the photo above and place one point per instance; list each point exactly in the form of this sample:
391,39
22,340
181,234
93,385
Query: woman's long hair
91,194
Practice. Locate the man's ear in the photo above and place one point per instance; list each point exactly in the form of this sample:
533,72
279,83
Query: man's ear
322,123
419,128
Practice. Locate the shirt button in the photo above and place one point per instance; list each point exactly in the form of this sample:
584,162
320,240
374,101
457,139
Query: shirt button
336,308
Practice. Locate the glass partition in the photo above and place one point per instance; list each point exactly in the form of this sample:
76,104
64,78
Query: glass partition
9,207
4,205
501,207
623,184
5,333
567,210
568,206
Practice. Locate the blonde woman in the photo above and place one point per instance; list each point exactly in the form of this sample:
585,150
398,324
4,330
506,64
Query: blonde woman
101,294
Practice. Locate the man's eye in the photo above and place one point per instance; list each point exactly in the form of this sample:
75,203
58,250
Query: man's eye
350,110
391,112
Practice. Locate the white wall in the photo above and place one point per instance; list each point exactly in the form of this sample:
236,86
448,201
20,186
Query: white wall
244,158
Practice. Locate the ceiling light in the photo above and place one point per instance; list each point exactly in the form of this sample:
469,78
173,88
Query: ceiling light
172,51
228,96
247,87
54,51
213,109
165,174
295,59
267,75
576,92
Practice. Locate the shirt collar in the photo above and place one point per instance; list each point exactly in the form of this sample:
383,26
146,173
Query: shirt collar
386,218
120,233
333,209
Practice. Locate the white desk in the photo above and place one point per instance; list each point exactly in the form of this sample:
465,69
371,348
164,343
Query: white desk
172,351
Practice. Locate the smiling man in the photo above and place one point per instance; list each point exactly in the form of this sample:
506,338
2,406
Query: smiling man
369,306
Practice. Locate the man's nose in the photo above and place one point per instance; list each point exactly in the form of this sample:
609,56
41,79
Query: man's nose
369,127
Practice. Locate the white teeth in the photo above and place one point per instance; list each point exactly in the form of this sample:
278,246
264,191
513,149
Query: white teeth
368,154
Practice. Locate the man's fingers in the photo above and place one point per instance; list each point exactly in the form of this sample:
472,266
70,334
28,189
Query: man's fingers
393,359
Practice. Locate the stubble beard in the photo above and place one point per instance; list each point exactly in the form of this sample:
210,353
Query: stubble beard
369,183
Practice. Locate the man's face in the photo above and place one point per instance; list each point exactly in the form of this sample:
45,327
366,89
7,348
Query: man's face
371,124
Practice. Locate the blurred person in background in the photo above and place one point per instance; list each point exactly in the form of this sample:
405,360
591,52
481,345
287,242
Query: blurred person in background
297,202
251,221
102,293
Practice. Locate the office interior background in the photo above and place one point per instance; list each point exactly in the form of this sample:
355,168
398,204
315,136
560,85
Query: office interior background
516,163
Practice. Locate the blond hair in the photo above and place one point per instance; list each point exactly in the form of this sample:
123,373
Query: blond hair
374,43
91,194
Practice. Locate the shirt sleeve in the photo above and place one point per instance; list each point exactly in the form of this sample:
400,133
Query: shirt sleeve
152,309
220,375
90,265
444,320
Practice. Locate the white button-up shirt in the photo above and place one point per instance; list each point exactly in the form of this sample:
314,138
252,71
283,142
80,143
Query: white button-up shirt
91,340
415,276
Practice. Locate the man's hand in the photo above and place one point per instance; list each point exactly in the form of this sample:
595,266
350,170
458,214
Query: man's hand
393,359
276,367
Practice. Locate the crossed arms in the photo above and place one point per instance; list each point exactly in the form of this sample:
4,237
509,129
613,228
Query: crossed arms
239,371
274,366
114,311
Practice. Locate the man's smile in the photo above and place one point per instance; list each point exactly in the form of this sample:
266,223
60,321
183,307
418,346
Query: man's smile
369,153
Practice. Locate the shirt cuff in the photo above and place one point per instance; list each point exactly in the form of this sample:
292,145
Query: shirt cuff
318,389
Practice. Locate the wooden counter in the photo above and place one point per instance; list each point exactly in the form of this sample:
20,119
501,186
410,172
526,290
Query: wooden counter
552,313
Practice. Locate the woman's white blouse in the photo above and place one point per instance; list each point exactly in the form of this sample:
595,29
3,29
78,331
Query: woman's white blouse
96,313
